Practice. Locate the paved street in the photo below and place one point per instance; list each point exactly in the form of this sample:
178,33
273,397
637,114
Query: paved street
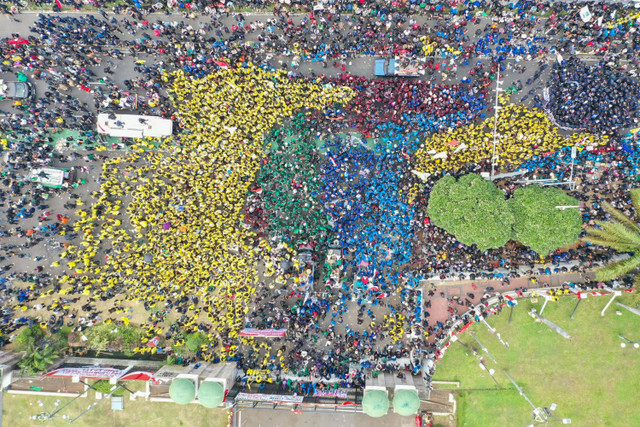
266,418
359,65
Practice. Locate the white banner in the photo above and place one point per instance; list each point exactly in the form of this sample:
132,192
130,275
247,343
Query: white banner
257,397
88,372
100,373
585,14
265,333
340,393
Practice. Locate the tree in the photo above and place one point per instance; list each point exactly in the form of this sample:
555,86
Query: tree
28,338
194,341
99,336
472,209
619,233
108,336
37,359
539,224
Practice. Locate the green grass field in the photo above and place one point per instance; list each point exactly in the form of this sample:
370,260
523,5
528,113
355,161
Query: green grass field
137,413
590,377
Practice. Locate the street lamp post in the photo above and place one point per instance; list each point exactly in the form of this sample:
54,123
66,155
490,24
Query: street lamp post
574,151
483,347
539,414
622,344
495,126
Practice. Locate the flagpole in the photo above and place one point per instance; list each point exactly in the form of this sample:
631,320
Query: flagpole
577,304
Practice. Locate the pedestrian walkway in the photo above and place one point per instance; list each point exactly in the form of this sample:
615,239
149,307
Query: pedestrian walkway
447,293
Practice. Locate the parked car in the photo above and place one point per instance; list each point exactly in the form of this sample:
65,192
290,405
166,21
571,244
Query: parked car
17,90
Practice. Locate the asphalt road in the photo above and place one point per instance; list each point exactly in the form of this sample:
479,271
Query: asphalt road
266,418
361,65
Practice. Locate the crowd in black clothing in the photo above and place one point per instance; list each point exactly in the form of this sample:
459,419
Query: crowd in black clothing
598,98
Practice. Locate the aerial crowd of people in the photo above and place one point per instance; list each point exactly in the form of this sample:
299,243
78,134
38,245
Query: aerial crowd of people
293,192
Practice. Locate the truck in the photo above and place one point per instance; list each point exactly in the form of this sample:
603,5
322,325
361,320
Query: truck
397,67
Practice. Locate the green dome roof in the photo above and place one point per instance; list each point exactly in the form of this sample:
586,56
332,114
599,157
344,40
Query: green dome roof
182,391
375,403
406,402
210,394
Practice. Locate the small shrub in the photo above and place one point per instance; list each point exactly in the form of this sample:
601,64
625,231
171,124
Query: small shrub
28,338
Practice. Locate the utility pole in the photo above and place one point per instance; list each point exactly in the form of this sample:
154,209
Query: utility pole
549,323
577,304
495,125
631,309
613,296
634,343
574,150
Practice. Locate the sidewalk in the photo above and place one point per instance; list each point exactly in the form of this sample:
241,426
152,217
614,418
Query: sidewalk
439,309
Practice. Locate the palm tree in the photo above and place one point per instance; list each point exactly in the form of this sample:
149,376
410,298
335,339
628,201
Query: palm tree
619,233
37,360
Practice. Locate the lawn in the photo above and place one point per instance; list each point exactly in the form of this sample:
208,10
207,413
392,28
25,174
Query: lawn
590,377
137,413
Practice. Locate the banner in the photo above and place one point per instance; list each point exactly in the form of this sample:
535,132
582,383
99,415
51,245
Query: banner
99,373
342,394
276,398
265,333
88,372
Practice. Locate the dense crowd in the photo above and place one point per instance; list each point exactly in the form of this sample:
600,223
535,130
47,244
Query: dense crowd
270,162
599,98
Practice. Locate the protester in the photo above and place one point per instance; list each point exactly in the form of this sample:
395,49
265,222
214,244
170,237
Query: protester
228,224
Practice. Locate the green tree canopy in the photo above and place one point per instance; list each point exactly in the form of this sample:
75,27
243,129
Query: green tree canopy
194,340
28,338
539,224
37,359
620,233
472,209
109,336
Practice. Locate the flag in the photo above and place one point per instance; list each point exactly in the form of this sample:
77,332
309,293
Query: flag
585,14
59,4
510,300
